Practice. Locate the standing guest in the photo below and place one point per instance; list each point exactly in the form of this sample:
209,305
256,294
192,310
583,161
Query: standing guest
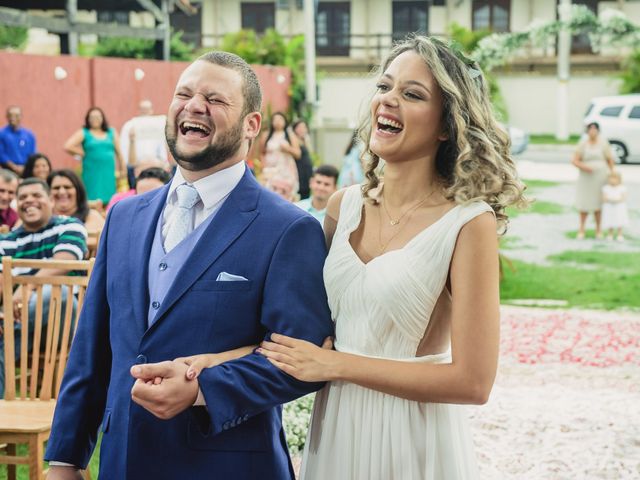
351,172
614,207
142,141
37,165
98,146
16,142
303,162
8,186
70,199
323,184
209,263
279,148
42,235
149,179
594,159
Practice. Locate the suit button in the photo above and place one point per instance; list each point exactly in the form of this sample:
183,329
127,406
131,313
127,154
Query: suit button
162,266
245,418
226,426
155,304
140,359
238,420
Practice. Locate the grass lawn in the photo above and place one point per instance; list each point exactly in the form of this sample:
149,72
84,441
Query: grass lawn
615,287
550,138
537,184
539,206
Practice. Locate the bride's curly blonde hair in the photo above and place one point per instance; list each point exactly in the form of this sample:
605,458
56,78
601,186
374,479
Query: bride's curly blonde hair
475,162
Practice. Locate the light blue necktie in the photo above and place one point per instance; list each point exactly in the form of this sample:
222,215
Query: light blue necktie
182,221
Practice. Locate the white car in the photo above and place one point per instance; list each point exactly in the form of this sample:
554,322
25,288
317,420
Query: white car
619,120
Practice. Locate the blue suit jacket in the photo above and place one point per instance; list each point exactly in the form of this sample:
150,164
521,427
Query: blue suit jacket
275,245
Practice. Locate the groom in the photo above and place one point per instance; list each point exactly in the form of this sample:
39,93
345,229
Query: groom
210,263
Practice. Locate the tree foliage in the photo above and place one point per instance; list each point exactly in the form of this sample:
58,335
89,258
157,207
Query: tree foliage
142,48
13,37
271,48
631,73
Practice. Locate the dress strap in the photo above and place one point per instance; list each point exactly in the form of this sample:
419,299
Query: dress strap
350,208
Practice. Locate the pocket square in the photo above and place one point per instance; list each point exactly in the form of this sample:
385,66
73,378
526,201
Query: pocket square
229,277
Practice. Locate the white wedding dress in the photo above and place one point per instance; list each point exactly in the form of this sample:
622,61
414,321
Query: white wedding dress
382,309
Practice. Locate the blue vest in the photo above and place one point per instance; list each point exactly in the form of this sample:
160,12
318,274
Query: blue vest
164,267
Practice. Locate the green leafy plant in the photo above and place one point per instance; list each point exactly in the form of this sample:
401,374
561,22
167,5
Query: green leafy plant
271,48
142,48
13,37
631,73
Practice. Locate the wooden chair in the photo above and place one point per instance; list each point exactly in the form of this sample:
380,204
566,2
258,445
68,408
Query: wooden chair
93,239
33,384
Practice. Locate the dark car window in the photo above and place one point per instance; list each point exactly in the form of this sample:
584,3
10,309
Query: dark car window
611,111
635,112
586,114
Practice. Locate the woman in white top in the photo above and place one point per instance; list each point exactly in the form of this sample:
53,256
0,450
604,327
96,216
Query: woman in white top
411,278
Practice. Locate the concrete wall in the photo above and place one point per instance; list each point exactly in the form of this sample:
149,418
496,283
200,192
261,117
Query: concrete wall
55,107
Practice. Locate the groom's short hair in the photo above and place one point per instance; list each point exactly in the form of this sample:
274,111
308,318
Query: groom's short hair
250,88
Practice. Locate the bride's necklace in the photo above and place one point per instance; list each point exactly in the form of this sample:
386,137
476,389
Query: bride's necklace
394,222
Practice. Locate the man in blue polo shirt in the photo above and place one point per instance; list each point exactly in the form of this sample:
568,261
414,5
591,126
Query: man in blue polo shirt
16,142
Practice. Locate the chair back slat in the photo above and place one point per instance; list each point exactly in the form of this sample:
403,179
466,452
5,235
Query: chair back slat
37,335
41,371
65,340
24,338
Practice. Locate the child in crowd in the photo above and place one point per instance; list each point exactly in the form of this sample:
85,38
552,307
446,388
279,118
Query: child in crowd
614,208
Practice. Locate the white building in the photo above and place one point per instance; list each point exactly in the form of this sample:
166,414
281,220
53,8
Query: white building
352,35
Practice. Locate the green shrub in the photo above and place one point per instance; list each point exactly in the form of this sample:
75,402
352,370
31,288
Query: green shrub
13,37
631,73
142,48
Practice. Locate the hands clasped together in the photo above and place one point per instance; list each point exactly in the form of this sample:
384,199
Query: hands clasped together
167,388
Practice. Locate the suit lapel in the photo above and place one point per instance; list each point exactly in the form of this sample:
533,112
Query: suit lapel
142,231
233,218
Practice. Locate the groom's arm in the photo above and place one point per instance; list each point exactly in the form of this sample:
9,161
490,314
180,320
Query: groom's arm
294,303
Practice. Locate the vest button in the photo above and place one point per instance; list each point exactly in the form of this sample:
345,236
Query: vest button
140,359
162,266
155,304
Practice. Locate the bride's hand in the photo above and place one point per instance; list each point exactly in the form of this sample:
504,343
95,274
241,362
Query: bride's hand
301,359
199,362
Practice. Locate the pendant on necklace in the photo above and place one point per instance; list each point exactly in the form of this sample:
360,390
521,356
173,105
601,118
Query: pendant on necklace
393,223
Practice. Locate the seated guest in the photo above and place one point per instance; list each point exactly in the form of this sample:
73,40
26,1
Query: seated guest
37,165
149,179
41,235
70,198
8,186
323,184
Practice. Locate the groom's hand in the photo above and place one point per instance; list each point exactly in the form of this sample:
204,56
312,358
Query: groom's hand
166,399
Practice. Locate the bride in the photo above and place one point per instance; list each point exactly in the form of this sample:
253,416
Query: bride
411,278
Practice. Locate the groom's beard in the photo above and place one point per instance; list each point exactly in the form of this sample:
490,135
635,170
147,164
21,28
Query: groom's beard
224,148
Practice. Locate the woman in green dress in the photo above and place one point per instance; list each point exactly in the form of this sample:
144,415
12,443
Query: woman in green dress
98,146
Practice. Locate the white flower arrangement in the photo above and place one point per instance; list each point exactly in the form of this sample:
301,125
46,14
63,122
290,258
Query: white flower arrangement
295,418
612,28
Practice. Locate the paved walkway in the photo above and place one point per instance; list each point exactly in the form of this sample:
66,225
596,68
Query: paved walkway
537,236
566,403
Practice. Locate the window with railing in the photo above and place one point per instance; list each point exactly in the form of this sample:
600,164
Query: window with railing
491,15
581,43
333,28
258,16
409,17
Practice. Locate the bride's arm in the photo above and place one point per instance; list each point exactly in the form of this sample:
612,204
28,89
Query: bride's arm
474,337
207,360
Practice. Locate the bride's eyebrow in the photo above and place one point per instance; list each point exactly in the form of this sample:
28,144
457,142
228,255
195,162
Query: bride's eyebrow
410,82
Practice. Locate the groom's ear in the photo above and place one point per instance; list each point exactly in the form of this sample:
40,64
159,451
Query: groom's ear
252,123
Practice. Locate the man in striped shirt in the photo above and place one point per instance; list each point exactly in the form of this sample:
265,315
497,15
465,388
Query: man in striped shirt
42,235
